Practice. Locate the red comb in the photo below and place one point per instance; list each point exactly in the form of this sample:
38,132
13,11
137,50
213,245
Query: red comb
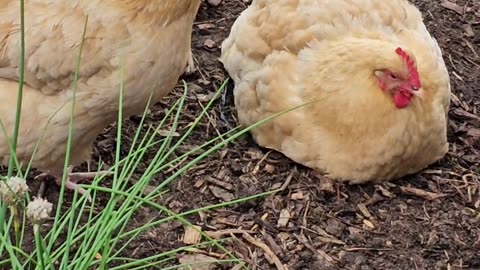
412,69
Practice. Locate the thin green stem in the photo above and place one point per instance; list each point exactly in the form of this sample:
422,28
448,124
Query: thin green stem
70,132
21,75
38,245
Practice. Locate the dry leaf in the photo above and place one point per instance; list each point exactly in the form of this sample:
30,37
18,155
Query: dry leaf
467,28
284,218
197,262
209,43
452,6
205,97
297,196
166,133
192,235
221,193
364,210
269,168
368,224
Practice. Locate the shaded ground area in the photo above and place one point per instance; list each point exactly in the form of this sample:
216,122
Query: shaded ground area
430,220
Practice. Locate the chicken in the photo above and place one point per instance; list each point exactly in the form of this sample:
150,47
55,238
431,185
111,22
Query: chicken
375,88
147,43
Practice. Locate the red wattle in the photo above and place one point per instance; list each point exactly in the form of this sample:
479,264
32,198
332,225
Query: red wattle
402,99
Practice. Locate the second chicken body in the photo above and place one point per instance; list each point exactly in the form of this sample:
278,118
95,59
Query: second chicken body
379,88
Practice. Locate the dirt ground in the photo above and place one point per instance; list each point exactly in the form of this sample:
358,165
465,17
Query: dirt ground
430,220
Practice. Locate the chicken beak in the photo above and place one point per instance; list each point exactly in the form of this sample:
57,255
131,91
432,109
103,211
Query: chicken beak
418,93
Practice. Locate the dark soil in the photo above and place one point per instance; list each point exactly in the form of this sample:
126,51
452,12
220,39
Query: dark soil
430,220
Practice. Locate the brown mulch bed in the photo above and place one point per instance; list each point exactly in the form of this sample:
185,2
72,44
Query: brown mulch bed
430,220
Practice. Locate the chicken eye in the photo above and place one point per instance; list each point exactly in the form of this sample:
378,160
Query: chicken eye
392,76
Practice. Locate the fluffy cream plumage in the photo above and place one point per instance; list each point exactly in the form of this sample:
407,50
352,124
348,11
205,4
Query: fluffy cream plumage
284,53
153,36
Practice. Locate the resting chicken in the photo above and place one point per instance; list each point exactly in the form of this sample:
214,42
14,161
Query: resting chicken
376,88
148,41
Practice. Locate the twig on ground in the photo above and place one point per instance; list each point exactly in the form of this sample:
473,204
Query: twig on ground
267,250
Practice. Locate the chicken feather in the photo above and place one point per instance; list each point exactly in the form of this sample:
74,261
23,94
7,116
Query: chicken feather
154,37
284,53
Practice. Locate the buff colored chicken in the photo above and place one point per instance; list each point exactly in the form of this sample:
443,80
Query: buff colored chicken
376,80
153,38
